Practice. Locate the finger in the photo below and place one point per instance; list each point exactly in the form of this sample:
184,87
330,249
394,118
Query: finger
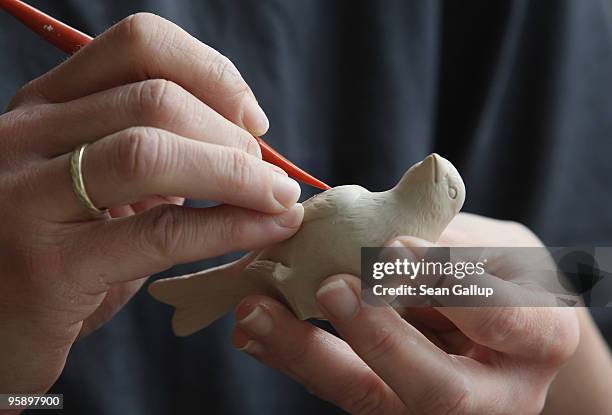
425,378
144,46
545,334
321,362
59,128
541,334
326,366
157,239
137,163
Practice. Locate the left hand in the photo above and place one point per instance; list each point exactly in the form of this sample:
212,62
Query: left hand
432,361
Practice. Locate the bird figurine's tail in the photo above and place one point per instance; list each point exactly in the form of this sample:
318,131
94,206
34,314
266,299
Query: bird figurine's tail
201,298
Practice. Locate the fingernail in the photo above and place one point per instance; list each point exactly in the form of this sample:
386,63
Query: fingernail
254,118
252,347
291,218
337,298
258,322
396,244
401,251
286,191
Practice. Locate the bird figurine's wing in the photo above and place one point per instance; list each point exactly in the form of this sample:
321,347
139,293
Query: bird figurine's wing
329,203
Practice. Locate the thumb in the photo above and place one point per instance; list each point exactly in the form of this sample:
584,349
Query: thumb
154,240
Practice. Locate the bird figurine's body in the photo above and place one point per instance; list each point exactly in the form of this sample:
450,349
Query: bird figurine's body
337,224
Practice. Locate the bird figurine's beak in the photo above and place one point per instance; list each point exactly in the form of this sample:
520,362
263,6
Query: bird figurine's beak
431,169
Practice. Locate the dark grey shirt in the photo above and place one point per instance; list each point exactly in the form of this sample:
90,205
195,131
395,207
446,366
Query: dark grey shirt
517,94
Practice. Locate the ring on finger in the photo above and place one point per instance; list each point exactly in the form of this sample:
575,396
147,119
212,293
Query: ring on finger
78,183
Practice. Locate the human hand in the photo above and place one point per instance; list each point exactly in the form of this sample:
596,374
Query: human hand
168,117
425,360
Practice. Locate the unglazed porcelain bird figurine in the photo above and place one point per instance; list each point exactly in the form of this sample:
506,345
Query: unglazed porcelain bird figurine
337,224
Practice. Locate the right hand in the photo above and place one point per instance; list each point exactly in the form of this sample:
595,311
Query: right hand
168,117
419,360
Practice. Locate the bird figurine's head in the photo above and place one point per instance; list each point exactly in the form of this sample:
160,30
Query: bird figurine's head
436,183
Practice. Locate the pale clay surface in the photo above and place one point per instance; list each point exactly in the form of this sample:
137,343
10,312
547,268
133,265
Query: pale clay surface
337,223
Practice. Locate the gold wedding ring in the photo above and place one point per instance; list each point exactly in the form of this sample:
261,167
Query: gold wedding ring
76,172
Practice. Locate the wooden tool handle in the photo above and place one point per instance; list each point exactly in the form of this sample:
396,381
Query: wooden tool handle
55,32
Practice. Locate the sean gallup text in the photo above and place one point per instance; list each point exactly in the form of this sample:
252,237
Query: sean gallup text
424,290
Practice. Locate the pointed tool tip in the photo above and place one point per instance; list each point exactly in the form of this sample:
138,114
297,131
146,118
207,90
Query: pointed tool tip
272,156
300,175
321,185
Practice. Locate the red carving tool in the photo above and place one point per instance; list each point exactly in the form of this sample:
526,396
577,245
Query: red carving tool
71,40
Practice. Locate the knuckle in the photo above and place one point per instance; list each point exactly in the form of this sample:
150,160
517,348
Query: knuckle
563,339
158,100
500,324
223,74
365,396
138,30
560,352
383,343
20,98
27,95
221,68
12,132
233,230
163,230
237,170
138,154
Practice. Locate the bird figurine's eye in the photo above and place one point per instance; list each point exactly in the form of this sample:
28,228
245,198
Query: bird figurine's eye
452,192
